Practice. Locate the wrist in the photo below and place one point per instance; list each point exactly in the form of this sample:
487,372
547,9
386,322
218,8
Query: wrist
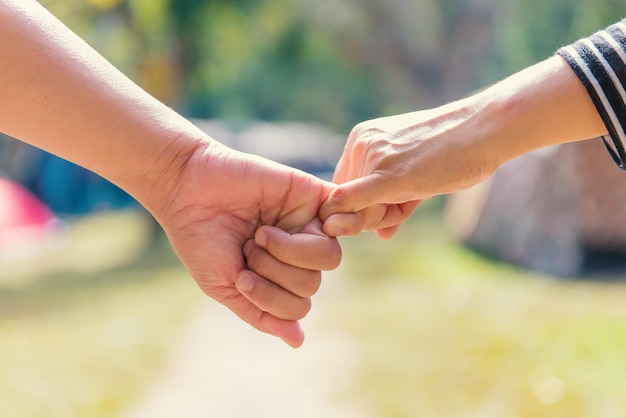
154,178
467,133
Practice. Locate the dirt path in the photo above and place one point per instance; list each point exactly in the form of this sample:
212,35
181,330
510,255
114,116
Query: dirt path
224,369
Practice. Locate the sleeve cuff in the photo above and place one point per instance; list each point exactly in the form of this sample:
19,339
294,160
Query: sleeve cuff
599,61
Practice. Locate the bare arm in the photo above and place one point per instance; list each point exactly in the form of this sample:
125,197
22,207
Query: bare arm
58,94
390,164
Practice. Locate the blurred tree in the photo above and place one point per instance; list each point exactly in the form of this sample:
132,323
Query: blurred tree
266,60
531,30
332,61
335,62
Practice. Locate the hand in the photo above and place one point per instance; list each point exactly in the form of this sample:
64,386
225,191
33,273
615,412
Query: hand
210,200
221,199
285,269
389,165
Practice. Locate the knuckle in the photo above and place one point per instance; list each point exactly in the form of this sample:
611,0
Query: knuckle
358,129
378,151
360,148
364,128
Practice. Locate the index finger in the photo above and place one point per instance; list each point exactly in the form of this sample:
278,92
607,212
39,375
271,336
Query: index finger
355,195
309,249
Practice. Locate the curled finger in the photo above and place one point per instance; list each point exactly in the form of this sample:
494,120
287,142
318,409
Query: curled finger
305,250
272,298
301,282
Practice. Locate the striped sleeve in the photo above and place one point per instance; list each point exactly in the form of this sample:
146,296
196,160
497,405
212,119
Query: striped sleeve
599,61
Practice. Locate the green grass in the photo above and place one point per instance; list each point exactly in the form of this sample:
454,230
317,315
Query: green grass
440,331
84,330
443,332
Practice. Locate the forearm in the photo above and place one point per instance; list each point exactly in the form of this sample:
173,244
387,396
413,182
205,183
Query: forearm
540,106
58,94
391,163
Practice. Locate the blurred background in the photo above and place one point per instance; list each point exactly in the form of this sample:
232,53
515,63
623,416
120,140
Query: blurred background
506,301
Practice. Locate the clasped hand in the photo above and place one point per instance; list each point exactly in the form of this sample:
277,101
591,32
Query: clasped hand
254,243
389,165
257,242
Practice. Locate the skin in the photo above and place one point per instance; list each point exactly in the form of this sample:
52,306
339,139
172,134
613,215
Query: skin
390,164
247,229
216,205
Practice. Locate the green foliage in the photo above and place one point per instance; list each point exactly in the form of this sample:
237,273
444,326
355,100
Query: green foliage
264,61
334,62
531,30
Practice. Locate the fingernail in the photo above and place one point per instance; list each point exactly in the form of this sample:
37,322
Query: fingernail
261,238
245,283
332,230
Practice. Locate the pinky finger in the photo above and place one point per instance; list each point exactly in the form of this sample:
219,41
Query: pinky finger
289,331
387,233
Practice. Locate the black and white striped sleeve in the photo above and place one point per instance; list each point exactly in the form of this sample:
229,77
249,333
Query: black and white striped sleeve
599,61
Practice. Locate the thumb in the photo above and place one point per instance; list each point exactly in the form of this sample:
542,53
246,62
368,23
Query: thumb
354,196
364,204
344,211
